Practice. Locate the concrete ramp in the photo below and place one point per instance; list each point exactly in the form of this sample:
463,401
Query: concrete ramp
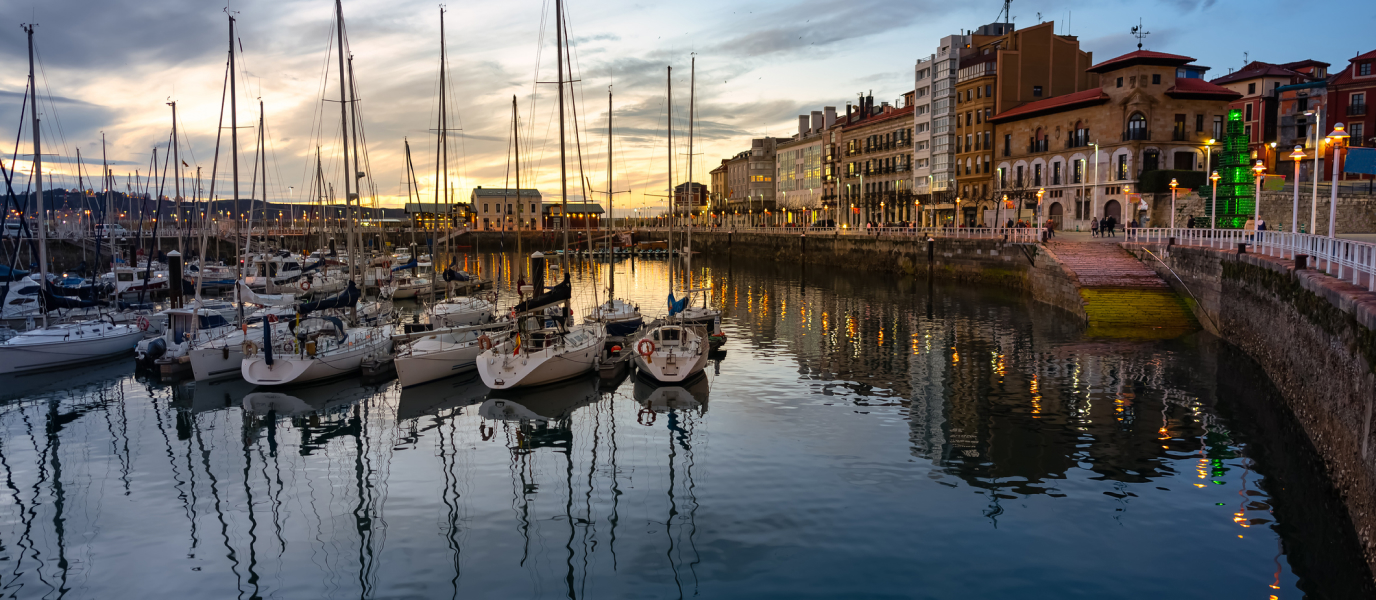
1123,298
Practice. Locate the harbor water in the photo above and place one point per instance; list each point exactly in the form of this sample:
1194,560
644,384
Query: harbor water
857,436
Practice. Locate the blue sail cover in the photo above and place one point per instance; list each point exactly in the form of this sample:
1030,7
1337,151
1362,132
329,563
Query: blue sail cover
408,265
8,274
676,307
451,275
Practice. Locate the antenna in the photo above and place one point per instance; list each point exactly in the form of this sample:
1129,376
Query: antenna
1004,13
1140,33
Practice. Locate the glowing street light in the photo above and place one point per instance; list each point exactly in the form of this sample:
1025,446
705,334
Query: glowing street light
1174,183
1339,138
1297,156
1260,170
1213,208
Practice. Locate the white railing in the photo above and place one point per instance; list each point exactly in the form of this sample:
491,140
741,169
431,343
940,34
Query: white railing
1013,234
1348,260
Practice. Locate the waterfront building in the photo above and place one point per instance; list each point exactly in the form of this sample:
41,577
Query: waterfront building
717,195
875,144
1352,91
1143,117
933,148
997,74
690,198
734,204
750,181
1258,84
801,168
501,209
582,215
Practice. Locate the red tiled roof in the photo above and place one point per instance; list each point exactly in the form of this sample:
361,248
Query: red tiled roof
1141,57
879,118
1198,88
1257,69
1056,104
1371,54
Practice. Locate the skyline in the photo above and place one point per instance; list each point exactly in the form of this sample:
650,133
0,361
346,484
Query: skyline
113,68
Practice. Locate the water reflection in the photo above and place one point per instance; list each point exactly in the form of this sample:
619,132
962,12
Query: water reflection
858,427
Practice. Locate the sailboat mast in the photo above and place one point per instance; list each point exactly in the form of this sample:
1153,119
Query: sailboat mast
692,187
563,161
669,103
38,174
442,158
611,206
234,159
177,179
516,144
357,212
344,127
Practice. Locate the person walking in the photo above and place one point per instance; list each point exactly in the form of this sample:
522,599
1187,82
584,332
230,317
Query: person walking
1110,224
1094,227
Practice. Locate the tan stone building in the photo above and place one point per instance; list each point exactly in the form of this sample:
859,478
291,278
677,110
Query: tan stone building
875,147
717,199
497,209
1141,118
800,168
997,74
737,189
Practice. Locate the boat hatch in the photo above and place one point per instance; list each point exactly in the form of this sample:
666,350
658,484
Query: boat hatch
125,276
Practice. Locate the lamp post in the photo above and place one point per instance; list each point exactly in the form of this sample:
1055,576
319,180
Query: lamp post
1173,184
1260,170
1339,137
1094,191
1037,215
1316,172
1213,206
1209,154
1297,155
955,214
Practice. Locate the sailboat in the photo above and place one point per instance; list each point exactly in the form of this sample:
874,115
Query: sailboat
620,317
323,346
545,348
687,312
71,343
461,310
673,351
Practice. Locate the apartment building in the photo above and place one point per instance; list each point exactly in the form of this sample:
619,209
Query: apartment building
997,74
1259,85
875,144
801,167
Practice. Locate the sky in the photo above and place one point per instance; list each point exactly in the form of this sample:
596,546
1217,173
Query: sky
111,66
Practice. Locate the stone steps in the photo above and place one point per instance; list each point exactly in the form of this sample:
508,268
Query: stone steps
1123,297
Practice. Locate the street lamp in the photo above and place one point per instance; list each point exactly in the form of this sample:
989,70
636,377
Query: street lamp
1213,208
1208,154
1173,184
1315,172
1260,170
1297,156
1339,137
1037,216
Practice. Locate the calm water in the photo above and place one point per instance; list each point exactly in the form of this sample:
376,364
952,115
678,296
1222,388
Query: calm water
858,437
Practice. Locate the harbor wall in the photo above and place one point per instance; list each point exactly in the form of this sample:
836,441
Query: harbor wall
1025,267
1314,335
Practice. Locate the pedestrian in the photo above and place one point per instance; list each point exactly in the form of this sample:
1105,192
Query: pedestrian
1010,224
1261,226
1094,227
1189,222
1249,226
1050,228
1112,223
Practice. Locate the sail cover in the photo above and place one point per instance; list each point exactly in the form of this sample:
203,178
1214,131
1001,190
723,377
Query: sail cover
53,301
451,275
554,295
410,264
344,299
248,295
676,307
9,274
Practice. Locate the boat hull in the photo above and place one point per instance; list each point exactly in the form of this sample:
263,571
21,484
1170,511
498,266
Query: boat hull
418,368
20,358
299,370
501,371
672,369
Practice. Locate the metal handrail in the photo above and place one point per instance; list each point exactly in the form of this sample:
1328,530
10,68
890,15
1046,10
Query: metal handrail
1012,234
1348,260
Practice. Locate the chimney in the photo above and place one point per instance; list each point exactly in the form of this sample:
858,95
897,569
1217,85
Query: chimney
816,121
802,126
830,112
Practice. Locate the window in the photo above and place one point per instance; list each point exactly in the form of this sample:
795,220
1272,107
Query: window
1122,170
1003,178
1037,91
1079,171
978,91
1251,89
1218,127
508,209
1356,104
988,90
1056,173
485,207
1247,131
1137,128
1199,123
1156,79
1120,82
1007,144
1356,133
1178,134
1019,178
532,209
1364,69
1248,112
1037,175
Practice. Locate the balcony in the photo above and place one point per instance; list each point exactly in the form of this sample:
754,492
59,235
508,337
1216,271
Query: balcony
1137,135
1356,110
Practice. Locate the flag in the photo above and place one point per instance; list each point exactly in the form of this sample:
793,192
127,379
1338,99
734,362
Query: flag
185,165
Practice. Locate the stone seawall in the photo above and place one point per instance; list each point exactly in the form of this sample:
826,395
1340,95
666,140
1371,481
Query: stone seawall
1027,267
1316,338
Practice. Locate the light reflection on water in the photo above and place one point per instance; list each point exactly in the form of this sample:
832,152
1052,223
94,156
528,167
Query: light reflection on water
858,436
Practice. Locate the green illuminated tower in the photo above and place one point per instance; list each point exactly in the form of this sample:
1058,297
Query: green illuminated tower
1236,188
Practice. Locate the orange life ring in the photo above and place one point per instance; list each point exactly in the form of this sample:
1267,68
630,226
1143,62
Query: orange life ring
143,323
272,318
306,286
484,342
642,345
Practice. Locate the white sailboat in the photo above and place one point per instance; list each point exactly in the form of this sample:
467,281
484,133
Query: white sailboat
67,344
545,349
434,355
621,318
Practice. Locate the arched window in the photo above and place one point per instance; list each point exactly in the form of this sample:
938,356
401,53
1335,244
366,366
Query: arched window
1137,128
